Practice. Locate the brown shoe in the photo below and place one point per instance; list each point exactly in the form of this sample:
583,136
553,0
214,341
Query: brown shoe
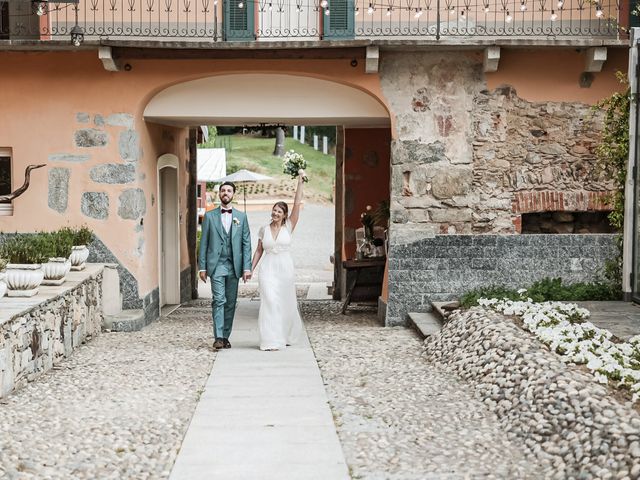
218,344
226,342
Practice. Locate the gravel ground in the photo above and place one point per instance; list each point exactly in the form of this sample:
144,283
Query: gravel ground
399,416
117,409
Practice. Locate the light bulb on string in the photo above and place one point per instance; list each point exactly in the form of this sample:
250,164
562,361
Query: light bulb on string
388,11
324,3
215,3
560,3
40,9
523,7
599,12
370,10
486,8
240,5
554,17
508,18
357,11
327,12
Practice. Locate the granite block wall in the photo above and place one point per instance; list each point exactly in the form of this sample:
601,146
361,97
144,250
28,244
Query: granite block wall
442,267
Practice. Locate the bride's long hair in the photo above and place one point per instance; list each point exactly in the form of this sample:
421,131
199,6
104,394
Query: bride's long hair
285,208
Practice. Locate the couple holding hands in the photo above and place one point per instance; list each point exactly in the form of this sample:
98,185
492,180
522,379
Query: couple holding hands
225,257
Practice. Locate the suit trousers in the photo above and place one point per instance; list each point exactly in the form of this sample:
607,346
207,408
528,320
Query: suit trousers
224,289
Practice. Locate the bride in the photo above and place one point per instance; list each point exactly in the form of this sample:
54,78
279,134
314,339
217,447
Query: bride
278,321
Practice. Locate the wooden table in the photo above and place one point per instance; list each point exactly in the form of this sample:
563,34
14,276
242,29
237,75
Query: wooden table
364,279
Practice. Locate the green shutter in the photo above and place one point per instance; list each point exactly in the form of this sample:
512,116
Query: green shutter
340,22
238,22
634,21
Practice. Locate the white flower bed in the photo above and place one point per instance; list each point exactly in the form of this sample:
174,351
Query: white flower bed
565,329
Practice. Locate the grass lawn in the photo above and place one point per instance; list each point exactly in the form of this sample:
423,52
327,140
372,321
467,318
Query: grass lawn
255,154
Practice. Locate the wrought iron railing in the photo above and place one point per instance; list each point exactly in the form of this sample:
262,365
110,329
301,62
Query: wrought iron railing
264,20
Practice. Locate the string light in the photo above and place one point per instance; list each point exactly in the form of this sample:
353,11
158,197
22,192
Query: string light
508,17
270,6
523,6
324,3
599,12
40,9
388,11
370,10
240,5
357,11
486,8
560,3
554,17
327,12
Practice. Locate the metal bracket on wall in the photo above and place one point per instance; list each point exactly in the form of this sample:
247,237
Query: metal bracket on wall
108,62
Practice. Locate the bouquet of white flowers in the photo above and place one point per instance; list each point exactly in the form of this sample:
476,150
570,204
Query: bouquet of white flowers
292,163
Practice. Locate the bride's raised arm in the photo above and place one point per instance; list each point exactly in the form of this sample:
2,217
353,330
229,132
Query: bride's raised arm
295,211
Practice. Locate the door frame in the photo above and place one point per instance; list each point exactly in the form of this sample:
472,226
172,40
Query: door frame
168,160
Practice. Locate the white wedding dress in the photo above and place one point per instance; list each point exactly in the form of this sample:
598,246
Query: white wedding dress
279,321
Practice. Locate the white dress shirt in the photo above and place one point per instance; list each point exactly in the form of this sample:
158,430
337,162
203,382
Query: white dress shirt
226,220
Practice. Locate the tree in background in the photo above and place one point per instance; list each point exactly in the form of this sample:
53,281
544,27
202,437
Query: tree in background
211,141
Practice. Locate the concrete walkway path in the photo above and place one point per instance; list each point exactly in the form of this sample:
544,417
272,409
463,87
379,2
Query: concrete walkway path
262,415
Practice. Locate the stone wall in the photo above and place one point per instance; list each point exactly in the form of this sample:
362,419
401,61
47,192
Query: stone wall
33,341
444,266
185,285
468,160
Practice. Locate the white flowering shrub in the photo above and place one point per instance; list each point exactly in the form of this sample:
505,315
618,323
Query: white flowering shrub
565,329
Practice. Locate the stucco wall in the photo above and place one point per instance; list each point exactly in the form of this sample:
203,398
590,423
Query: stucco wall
64,109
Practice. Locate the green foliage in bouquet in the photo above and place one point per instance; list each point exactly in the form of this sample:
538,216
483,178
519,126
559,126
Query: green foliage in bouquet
292,162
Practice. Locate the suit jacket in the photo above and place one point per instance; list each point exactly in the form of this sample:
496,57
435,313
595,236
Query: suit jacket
213,236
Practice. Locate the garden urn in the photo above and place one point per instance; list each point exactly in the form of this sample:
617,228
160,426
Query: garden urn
3,285
23,279
55,270
79,255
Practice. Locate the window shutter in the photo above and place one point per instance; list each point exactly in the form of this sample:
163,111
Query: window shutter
238,21
340,22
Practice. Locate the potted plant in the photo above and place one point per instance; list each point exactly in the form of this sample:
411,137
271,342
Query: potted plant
58,247
80,238
25,254
3,284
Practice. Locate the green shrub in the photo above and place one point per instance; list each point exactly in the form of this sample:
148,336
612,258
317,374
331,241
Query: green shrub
57,244
470,298
79,236
24,248
546,290
3,264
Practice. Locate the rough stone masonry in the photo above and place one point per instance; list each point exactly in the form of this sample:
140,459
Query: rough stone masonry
469,161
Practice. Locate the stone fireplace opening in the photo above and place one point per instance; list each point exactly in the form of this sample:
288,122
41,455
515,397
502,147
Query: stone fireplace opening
567,222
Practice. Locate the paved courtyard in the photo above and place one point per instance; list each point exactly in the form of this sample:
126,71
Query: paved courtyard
120,407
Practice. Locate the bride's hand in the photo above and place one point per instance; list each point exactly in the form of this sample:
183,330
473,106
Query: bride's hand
302,176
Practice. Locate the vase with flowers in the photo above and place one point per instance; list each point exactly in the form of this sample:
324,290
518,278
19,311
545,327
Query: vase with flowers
366,247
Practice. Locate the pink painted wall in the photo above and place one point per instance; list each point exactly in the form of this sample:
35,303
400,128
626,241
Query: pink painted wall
40,95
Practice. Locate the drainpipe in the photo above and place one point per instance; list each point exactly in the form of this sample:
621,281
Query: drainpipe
629,190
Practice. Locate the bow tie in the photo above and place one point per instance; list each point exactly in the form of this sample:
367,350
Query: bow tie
225,210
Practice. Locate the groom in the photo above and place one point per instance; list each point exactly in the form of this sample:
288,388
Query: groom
225,256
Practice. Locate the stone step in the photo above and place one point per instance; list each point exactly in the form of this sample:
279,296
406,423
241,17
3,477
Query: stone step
318,291
125,321
443,308
426,324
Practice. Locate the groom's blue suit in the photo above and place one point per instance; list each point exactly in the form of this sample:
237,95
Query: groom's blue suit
224,255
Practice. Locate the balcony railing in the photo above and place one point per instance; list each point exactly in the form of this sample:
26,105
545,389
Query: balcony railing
265,20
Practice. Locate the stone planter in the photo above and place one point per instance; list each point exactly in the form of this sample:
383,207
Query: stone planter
79,255
3,284
23,280
6,209
55,270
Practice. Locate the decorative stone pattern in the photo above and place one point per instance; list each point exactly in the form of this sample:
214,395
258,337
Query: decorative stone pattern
113,173
95,205
465,158
98,120
120,120
33,341
91,137
132,204
82,117
575,427
129,146
68,157
442,267
58,193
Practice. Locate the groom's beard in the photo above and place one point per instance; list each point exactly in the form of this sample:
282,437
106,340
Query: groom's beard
227,202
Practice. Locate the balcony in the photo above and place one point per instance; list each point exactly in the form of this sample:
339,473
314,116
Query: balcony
208,22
